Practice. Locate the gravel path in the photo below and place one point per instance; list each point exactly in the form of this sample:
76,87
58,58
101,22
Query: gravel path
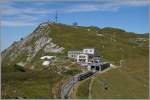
90,88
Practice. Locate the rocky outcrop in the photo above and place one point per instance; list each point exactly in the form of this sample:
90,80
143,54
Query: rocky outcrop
32,44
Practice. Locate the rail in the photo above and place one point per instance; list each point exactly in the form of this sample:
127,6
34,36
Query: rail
65,89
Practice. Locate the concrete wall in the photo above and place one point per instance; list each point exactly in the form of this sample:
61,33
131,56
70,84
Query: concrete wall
89,51
82,57
73,54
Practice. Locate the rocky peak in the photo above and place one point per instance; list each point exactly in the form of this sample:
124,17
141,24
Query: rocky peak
30,46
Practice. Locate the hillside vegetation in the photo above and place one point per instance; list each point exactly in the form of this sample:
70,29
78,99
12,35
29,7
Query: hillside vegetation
114,45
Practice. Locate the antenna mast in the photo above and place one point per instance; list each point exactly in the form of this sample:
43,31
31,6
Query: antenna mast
56,17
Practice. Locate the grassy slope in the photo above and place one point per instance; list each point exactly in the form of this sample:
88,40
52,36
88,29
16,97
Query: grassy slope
72,37
120,85
28,84
35,84
83,90
135,58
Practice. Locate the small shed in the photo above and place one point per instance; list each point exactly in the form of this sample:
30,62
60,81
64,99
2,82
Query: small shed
47,57
46,63
47,60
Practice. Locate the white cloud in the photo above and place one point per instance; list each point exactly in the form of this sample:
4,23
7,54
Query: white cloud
28,15
132,2
25,18
104,5
88,8
20,20
16,23
80,8
12,10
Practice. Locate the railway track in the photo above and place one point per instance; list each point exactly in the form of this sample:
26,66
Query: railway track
65,89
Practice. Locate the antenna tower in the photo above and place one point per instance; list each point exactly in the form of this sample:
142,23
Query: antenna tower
56,17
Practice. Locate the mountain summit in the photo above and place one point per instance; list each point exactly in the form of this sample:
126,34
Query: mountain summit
126,49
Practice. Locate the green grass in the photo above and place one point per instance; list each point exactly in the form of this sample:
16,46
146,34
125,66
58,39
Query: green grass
83,89
120,85
129,81
70,37
29,84
126,84
72,72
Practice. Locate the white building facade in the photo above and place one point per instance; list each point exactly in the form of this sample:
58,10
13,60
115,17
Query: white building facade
89,51
89,58
82,58
73,53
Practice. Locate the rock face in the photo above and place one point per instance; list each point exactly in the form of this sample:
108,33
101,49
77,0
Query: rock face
30,46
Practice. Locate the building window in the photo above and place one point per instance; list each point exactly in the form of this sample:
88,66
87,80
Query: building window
86,51
81,56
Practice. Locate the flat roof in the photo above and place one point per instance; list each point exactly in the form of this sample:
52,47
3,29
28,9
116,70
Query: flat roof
75,49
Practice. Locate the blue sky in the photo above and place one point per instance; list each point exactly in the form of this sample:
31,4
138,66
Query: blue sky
20,17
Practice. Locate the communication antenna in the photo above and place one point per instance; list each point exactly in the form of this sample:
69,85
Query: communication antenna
56,17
